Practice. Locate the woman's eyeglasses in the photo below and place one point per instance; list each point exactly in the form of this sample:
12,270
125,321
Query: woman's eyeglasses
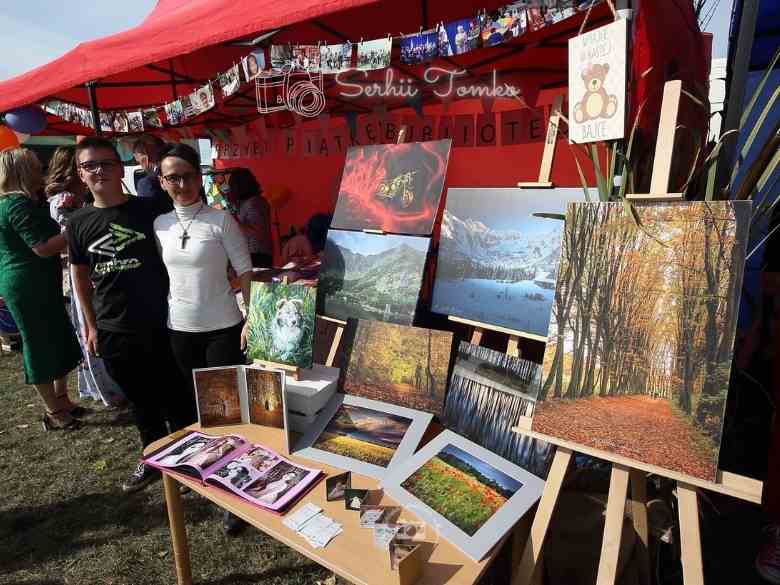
181,179
92,166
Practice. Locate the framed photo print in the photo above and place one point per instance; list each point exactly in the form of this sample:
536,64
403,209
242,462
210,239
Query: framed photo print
471,496
364,436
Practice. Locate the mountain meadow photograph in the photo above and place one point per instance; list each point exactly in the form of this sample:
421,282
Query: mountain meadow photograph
461,487
394,188
497,261
401,365
371,276
364,434
642,336
488,393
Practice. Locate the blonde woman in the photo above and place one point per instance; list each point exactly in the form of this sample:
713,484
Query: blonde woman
31,284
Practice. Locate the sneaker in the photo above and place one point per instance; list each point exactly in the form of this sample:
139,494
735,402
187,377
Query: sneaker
142,476
768,561
232,524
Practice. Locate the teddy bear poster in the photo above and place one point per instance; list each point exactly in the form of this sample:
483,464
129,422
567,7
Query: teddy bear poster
597,84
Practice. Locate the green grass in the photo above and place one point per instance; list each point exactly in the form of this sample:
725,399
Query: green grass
64,520
454,494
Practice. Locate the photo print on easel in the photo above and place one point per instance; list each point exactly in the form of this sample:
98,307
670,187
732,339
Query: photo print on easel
641,341
253,64
488,393
472,496
597,83
419,48
336,58
281,323
374,54
498,261
229,81
371,276
218,396
393,188
401,365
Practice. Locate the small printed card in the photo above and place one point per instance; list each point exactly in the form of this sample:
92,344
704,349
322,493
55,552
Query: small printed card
301,517
372,515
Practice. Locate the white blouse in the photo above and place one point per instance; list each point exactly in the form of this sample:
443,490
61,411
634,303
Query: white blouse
200,297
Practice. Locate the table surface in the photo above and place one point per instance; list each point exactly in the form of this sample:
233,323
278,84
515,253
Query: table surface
352,554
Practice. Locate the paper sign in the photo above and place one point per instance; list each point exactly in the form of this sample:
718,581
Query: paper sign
597,84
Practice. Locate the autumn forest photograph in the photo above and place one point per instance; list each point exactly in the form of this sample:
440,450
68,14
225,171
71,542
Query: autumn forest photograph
642,331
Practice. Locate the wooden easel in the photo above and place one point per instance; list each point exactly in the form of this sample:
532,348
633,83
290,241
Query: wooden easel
550,140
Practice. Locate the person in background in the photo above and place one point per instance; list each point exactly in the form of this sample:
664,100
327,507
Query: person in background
302,248
67,193
197,242
31,286
254,216
122,287
146,152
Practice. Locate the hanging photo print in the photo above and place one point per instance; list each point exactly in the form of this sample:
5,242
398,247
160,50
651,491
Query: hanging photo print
203,99
281,57
306,58
419,48
120,122
253,64
459,36
173,112
105,122
151,118
499,26
229,81
135,121
335,58
374,54
597,84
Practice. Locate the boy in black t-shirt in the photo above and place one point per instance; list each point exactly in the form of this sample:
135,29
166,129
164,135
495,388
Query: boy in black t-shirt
122,286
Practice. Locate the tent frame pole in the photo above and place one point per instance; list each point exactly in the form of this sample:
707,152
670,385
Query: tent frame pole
93,106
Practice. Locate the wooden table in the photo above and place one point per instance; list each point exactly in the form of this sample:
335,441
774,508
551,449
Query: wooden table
352,554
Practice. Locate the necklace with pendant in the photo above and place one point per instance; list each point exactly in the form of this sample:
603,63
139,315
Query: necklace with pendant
185,231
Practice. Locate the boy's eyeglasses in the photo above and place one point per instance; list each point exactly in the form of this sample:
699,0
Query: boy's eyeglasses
181,179
92,166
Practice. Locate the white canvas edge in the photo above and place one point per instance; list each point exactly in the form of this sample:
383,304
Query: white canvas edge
497,526
287,441
238,384
420,421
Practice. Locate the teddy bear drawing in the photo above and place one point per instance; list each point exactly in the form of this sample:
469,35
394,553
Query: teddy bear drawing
287,328
596,103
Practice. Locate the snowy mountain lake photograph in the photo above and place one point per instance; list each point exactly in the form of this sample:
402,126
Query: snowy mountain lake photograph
371,276
498,261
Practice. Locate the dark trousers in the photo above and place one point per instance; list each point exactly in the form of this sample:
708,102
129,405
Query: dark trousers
143,366
207,349
260,260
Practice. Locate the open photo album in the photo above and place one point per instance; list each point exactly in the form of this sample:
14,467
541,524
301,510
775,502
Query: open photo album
249,471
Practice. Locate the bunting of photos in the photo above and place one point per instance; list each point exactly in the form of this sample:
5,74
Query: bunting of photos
446,39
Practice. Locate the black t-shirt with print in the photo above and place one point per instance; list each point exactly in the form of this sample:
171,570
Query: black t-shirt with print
129,278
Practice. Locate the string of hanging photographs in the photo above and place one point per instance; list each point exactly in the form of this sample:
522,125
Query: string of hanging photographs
487,29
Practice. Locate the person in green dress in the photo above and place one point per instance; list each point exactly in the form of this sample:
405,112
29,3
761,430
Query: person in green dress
31,285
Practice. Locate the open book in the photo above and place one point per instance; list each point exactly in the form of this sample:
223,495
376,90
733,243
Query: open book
251,472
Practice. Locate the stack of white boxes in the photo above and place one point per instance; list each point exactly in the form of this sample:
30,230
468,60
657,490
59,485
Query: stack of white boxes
308,395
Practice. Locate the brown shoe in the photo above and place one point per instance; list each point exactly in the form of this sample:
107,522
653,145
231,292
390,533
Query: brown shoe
59,421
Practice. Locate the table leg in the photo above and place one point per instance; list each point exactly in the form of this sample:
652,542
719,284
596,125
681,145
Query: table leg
181,550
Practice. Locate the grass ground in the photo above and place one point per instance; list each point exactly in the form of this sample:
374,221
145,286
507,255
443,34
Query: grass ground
64,520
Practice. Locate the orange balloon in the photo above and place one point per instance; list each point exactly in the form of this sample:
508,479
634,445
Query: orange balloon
7,138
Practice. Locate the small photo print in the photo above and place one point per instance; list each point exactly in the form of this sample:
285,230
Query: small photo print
336,486
335,58
252,64
151,118
212,452
266,402
419,48
371,515
121,123
259,459
281,57
230,81
217,395
276,483
353,499
173,112
503,24
203,99
105,122
184,450
398,552
234,472
135,121
374,54
188,107
306,58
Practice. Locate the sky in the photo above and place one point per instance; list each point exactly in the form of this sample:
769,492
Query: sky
370,244
37,31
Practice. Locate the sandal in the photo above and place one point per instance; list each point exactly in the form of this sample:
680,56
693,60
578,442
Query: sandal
52,424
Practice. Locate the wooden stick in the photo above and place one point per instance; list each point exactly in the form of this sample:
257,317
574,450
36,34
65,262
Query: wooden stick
181,550
533,548
497,328
334,346
476,335
613,526
639,516
690,537
551,139
511,346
